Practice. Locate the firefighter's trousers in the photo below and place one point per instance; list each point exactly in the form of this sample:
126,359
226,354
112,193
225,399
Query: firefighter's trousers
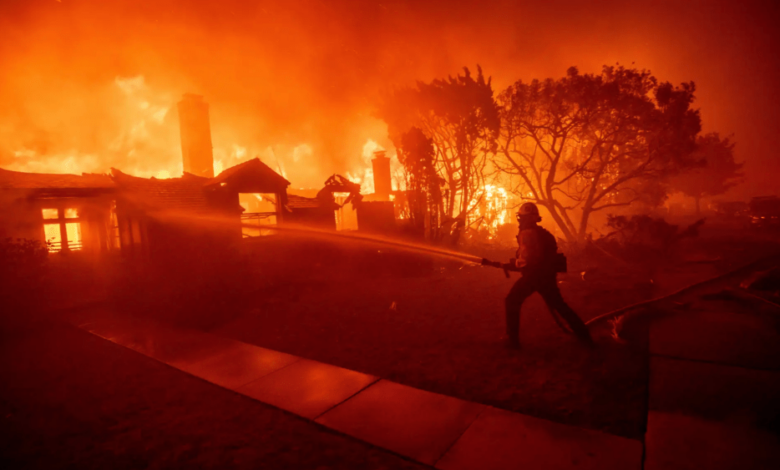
547,286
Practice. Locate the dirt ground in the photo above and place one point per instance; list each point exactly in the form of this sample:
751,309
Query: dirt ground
72,400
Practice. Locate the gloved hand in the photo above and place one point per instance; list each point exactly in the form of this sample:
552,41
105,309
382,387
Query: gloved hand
513,265
487,262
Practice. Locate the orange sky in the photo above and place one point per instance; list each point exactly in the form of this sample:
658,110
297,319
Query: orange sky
87,84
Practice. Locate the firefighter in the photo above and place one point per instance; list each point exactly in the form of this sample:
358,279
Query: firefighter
537,258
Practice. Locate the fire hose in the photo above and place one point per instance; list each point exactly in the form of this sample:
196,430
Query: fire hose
511,266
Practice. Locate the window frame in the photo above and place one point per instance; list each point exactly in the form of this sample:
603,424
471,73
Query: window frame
62,222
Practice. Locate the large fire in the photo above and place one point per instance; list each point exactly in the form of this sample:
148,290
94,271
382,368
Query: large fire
88,86
491,209
365,176
144,141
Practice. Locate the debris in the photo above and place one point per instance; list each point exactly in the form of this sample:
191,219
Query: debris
616,326
393,306
753,277
767,281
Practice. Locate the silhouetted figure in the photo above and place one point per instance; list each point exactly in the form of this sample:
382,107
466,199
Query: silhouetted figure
539,261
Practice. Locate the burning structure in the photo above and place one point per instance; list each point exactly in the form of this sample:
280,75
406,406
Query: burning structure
140,216
196,148
69,212
377,214
340,205
150,217
143,216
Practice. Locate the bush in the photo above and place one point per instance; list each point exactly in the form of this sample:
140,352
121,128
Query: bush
23,269
642,230
643,239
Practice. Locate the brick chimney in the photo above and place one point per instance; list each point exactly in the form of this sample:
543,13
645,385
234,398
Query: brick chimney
382,182
196,136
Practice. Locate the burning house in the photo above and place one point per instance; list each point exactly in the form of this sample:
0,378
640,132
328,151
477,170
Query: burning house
140,216
339,204
150,217
154,215
69,212
144,217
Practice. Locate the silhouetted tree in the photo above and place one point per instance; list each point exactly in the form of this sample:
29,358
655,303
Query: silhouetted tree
416,154
584,143
460,117
716,173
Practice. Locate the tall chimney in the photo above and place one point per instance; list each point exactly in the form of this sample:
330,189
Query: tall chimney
196,136
382,182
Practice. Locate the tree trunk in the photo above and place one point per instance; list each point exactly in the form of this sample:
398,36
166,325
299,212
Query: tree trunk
570,237
583,231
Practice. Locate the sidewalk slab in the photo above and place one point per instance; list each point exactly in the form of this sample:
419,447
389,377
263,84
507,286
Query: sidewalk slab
715,392
678,442
418,424
177,348
239,365
500,439
427,427
307,388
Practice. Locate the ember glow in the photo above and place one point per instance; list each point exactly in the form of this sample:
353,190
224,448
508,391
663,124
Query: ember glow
492,209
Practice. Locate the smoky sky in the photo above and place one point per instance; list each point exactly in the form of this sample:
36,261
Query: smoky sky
280,75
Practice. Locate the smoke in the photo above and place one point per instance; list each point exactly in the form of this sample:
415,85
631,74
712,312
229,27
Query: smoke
87,85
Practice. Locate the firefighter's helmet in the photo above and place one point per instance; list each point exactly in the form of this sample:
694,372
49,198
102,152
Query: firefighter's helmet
529,211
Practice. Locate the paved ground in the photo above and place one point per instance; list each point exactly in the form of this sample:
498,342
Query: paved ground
426,427
714,383
714,378
441,332
69,399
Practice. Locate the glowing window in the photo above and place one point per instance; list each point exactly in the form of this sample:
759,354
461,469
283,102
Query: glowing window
55,228
50,214
73,234
53,237
259,211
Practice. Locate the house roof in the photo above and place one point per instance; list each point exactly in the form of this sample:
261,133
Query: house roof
18,180
190,193
252,176
186,194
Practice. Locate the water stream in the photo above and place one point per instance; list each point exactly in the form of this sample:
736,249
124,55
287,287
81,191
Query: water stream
311,232
370,239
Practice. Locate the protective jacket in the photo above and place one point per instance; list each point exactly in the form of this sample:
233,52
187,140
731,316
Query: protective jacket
536,251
